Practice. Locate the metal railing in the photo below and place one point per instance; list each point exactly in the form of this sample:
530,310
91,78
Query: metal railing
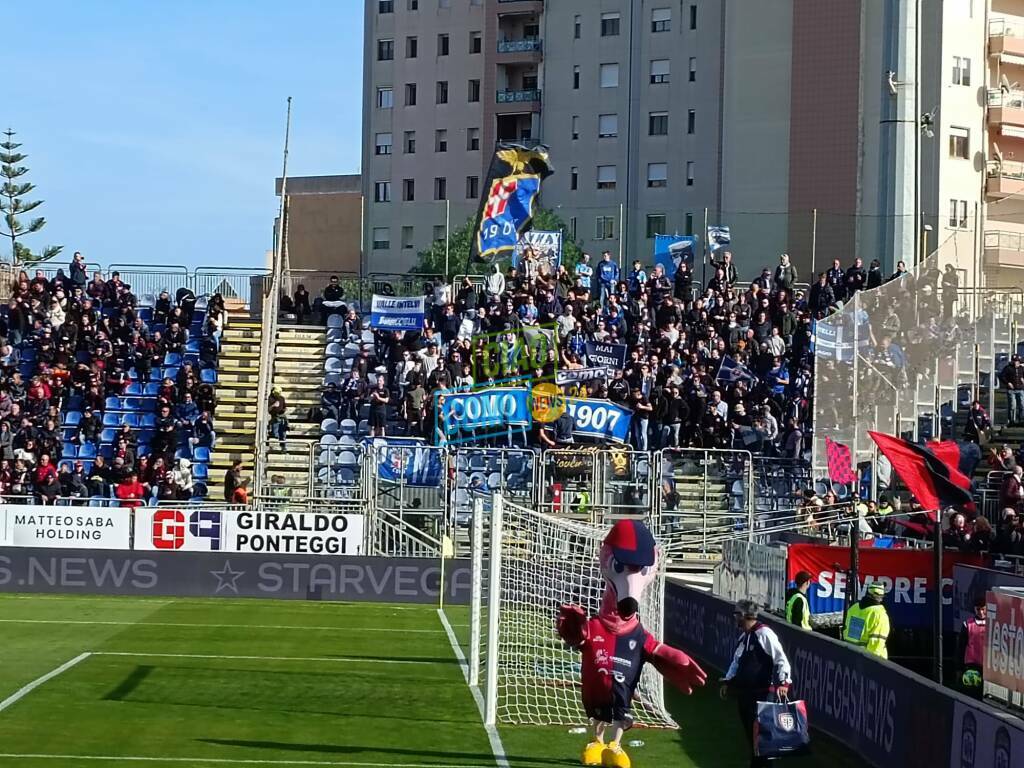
513,97
1008,241
1005,169
999,97
998,27
526,45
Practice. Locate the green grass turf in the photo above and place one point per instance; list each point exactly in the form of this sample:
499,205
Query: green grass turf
344,703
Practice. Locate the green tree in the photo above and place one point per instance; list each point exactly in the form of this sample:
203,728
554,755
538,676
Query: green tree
432,260
13,205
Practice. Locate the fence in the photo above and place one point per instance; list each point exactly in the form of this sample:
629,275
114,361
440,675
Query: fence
752,571
907,357
359,291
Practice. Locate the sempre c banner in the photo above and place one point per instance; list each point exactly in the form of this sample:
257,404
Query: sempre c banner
32,525
602,419
398,314
906,573
606,355
212,530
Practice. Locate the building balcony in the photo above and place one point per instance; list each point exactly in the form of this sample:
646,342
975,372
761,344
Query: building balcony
520,6
1004,178
1006,39
1004,249
1005,107
517,97
527,45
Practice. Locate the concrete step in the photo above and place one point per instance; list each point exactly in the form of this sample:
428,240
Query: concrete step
232,332
237,377
308,334
304,367
243,365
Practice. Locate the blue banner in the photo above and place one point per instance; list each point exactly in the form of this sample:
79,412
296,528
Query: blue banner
599,418
485,410
509,208
398,314
731,372
672,250
407,460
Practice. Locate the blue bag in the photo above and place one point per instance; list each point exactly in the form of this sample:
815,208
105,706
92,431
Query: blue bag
781,729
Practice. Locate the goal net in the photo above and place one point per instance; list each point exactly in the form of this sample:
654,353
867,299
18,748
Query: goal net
540,562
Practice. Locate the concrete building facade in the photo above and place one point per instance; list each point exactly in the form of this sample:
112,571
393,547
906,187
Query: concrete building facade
324,222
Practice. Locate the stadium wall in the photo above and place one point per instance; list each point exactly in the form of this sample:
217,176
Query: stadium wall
890,716
219,574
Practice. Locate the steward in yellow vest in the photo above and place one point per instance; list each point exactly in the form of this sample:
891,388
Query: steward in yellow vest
867,623
798,610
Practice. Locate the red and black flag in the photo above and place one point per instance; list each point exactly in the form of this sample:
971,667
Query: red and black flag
840,462
956,453
935,484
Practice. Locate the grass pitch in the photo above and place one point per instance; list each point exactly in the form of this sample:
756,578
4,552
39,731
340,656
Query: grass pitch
105,682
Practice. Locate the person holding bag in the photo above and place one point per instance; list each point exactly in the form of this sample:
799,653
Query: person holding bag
758,666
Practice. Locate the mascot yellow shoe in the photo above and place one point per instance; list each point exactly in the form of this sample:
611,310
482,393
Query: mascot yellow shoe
614,756
593,752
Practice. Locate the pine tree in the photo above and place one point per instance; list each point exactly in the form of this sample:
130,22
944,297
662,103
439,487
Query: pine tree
13,205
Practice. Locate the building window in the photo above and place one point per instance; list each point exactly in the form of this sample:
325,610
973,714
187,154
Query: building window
661,19
609,24
690,167
385,50
529,81
472,139
693,17
659,71
410,142
606,177
607,126
412,47
693,69
407,236
572,228
576,78
958,214
656,224
412,5
382,144
382,192
385,6
408,190
657,124
441,96
604,228
959,142
609,75
657,175
575,127
381,238
440,188
441,140
474,90
410,94
691,121
385,98
439,232
574,178
961,70
576,27
472,187
689,224
442,45
476,42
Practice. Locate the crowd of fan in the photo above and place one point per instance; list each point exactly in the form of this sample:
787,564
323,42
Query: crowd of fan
71,350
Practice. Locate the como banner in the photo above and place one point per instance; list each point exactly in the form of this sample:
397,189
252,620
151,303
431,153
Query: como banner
906,573
210,530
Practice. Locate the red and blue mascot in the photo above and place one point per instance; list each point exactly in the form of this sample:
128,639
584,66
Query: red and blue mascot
615,645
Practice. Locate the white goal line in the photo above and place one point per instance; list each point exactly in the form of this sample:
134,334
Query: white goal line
88,622
22,692
233,657
228,761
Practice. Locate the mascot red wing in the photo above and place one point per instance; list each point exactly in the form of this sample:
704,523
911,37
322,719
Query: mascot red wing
615,645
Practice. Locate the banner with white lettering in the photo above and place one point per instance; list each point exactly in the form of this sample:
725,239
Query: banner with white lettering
31,525
546,247
607,355
580,375
602,419
398,314
1004,656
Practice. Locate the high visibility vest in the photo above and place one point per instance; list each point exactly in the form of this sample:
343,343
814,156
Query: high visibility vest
868,628
805,618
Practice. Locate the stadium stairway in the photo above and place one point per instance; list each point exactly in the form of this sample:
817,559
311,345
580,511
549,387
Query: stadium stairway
237,388
298,372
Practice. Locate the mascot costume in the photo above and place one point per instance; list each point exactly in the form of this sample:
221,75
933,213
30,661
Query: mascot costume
615,645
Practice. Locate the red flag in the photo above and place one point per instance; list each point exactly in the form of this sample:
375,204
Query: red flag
935,484
840,462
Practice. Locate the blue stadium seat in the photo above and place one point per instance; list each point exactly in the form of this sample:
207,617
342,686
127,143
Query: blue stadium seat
148,405
72,418
131,419
191,357
75,403
158,327
152,389
69,451
143,448
155,374
148,420
28,354
107,435
107,452
111,419
26,370
172,358
69,433
83,357
87,451
146,313
200,472
97,501
132,403
200,490
86,466
145,434
134,389
113,404
170,372
192,346
201,454
208,376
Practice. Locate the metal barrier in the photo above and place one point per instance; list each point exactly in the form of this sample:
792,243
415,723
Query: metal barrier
752,571
409,500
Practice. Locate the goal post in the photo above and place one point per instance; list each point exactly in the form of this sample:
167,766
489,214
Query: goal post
526,564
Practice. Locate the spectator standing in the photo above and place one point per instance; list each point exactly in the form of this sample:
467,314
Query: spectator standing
856,277
971,643
607,277
785,274
79,272
232,480
978,425
584,272
332,301
759,665
379,400
300,303
130,491
1011,492
1012,377
277,408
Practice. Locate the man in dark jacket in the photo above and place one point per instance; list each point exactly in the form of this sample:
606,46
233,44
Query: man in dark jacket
856,277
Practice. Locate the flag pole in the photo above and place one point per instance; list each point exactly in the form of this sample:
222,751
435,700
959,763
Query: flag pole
853,583
704,261
937,609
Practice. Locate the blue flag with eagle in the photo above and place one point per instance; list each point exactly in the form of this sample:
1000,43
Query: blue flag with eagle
509,195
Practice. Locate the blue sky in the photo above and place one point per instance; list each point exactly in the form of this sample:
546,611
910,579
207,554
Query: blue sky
154,128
